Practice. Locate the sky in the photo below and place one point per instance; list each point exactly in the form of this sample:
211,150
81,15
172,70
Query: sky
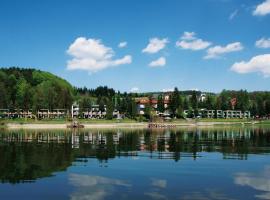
142,45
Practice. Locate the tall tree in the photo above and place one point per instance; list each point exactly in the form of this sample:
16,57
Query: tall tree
160,104
109,109
175,101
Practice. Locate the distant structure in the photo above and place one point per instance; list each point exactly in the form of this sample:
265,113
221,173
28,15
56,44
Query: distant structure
202,97
75,110
227,114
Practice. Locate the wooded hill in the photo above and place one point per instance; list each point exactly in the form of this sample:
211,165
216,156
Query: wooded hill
33,89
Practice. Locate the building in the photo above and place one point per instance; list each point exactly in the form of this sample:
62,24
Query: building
55,113
75,110
142,102
228,114
6,113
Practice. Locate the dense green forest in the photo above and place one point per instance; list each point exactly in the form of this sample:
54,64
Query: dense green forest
22,88
33,89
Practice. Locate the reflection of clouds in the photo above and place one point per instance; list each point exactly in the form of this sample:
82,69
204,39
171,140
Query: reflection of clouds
207,195
155,195
93,187
159,183
258,181
155,192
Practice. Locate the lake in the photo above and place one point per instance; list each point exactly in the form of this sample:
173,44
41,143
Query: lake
223,163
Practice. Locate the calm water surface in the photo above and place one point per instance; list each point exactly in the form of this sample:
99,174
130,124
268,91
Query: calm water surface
187,164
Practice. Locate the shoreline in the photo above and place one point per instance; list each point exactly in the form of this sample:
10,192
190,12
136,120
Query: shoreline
120,125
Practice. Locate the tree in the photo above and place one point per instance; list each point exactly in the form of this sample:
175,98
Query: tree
175,101
109,110
186,104
179,112
210,102
148,111
160,104
194,100
23,95
101,103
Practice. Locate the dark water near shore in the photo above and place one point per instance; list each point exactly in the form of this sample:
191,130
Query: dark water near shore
187,164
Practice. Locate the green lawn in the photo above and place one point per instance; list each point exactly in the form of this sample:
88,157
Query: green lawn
105,121
62,121
223,120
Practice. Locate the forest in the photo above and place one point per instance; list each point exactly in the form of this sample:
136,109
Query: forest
23,88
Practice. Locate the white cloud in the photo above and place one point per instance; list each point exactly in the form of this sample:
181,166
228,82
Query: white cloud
263,43
155,45
189,41
168,90
260,63
262,9
158,63
122,44
188,36
233,15
91,55
134,90
217,51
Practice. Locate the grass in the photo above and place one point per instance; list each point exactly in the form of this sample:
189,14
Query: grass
265,122
3,122
105,121
63,121
223,120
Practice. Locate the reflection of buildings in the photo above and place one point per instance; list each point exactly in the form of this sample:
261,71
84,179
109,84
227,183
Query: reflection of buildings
165,144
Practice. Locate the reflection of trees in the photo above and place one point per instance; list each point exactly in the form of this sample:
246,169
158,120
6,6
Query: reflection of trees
28,161
31,155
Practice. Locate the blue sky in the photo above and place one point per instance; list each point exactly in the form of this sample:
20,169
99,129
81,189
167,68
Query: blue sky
208,45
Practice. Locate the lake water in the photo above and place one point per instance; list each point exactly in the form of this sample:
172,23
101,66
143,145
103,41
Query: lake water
185,164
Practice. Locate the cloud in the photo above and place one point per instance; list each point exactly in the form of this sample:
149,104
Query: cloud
158,63
217,51
188,36
260,63
189,41
233,15
155,195
263,43
122,44
168,90
258,181
262,9
206,195
160,183
91,55
155,45
134,90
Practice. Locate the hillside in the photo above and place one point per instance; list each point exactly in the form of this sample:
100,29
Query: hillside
33,89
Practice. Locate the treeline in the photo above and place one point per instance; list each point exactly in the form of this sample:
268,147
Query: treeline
26,89
258,103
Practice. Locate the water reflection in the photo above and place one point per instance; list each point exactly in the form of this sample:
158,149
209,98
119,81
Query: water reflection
94,187
259,181
29,155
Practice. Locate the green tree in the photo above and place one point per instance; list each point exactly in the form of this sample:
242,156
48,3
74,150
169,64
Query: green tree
175,101
23,95
160,104
194,100
109,110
